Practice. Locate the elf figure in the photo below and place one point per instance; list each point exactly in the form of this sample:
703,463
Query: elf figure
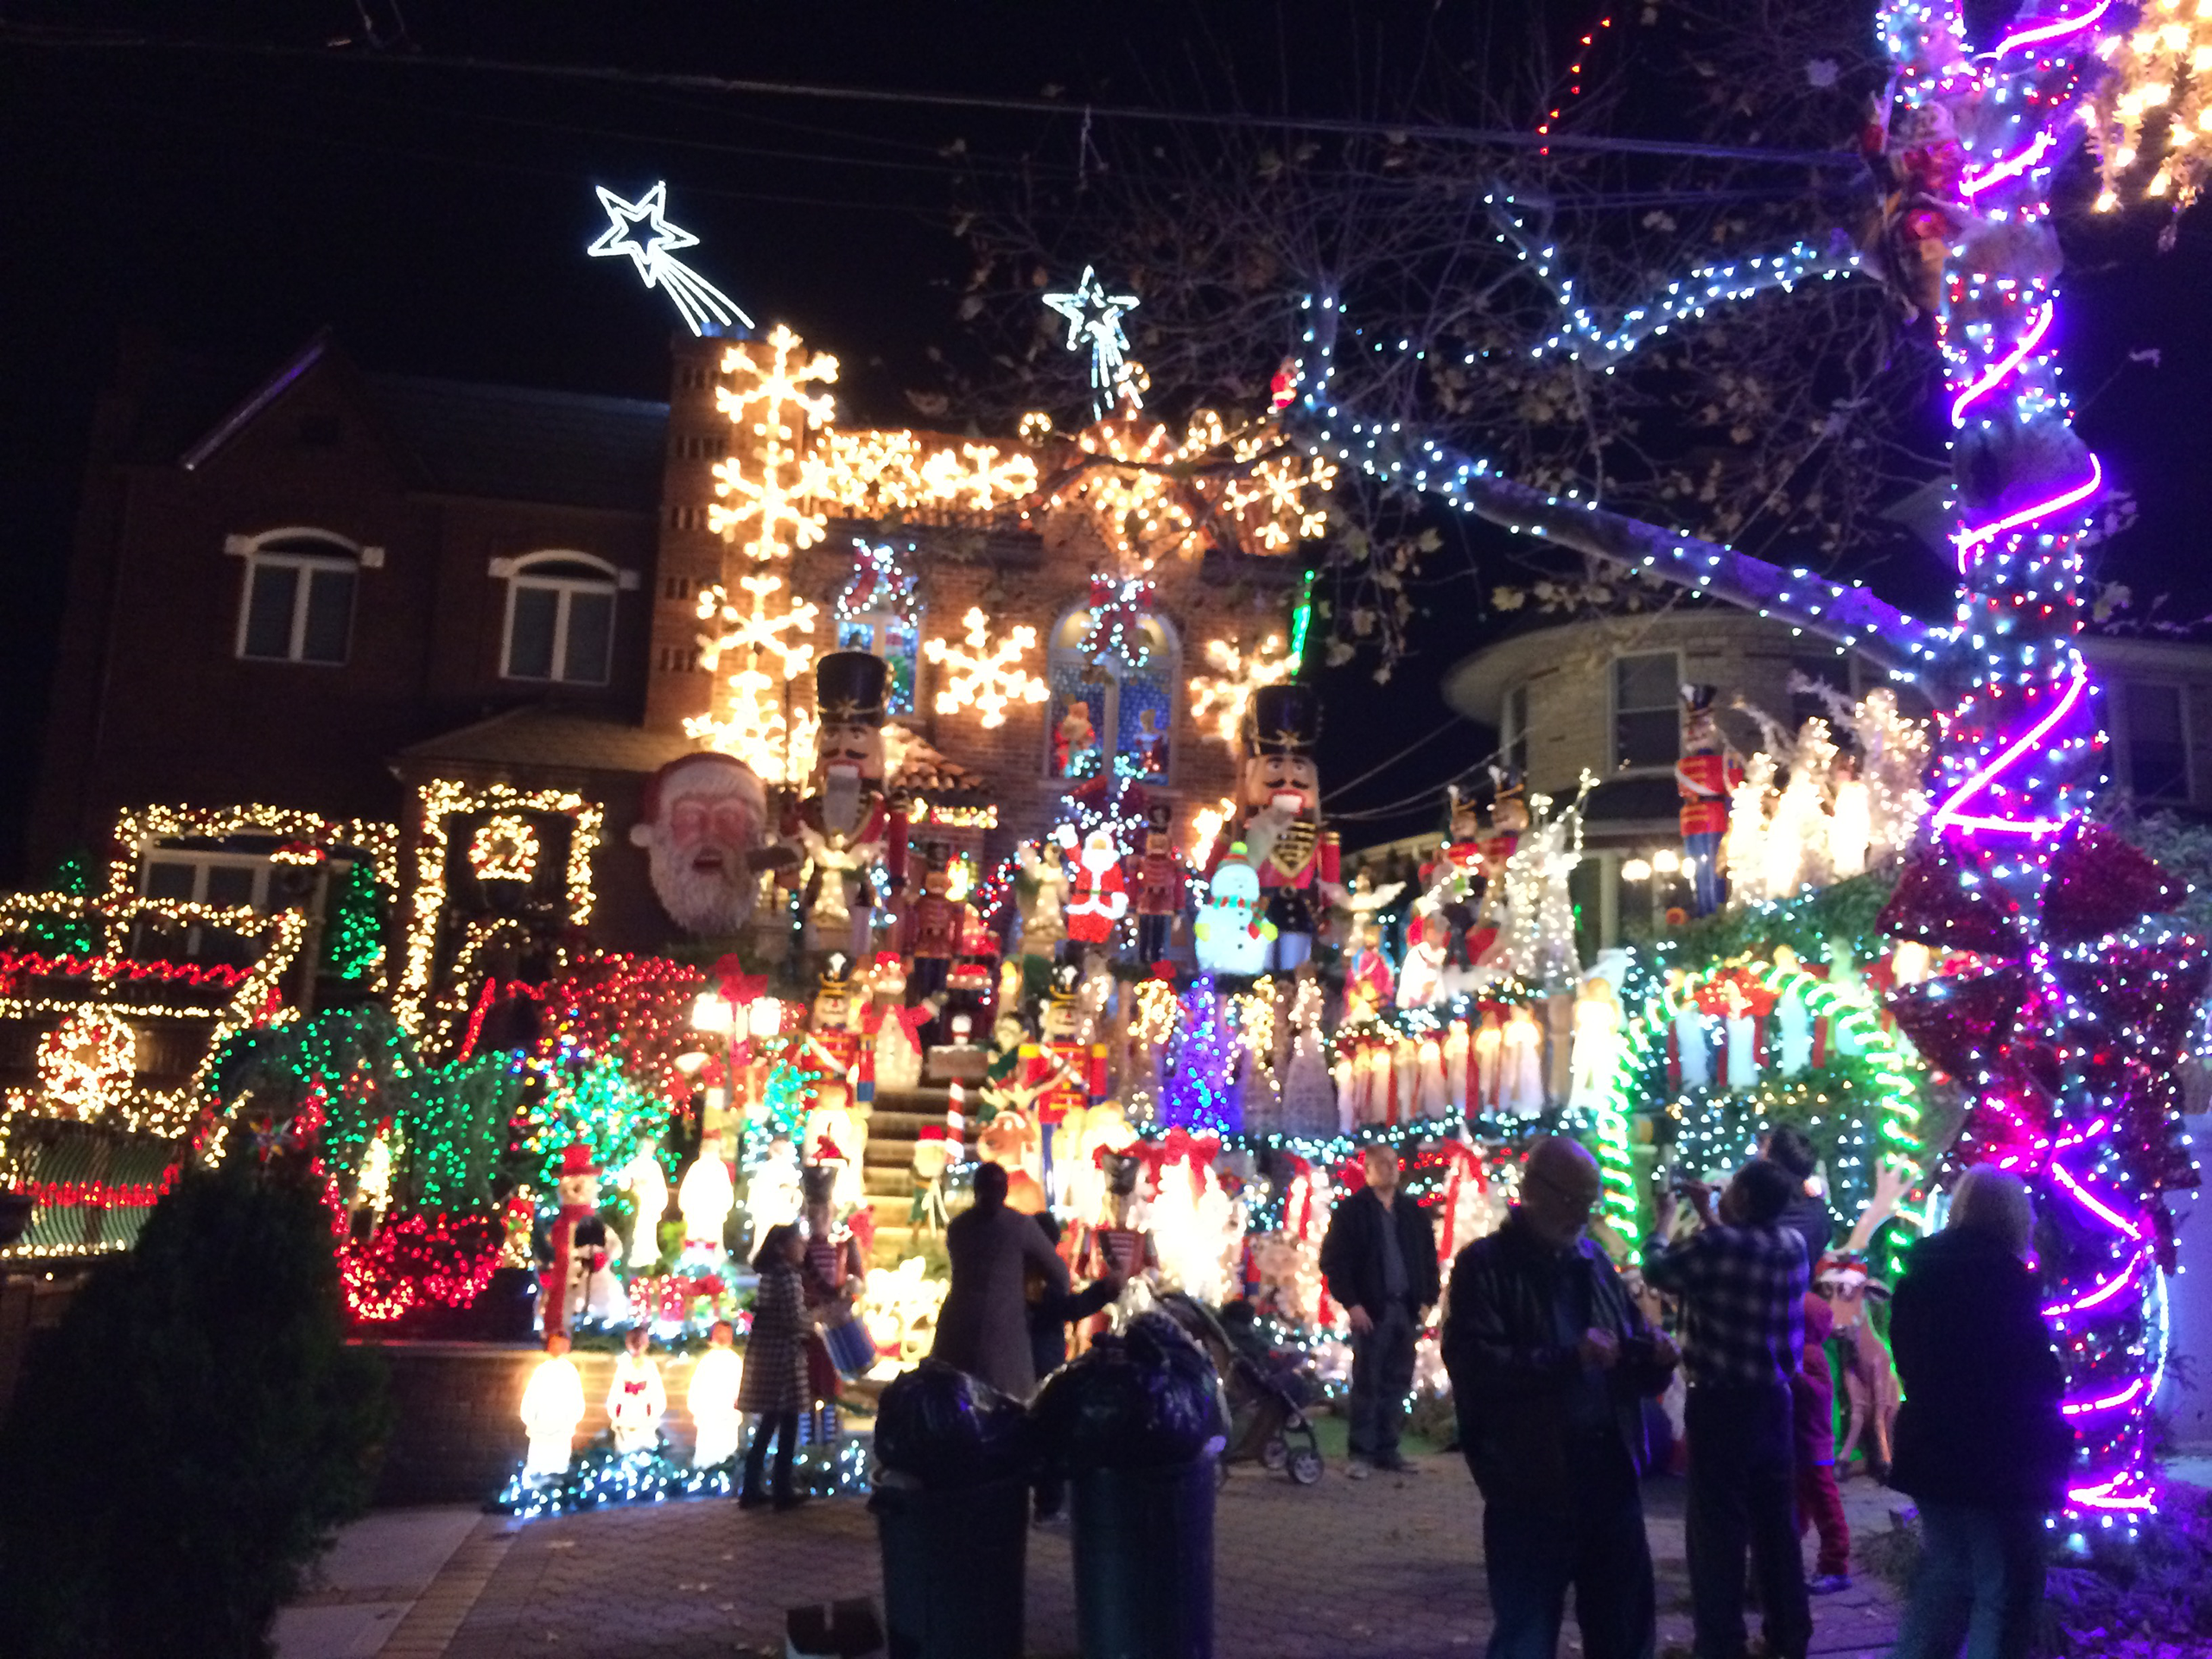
1098,896
712,1399
835,1143
636,1400
1280,818
1159,881
934,927
848,827
552,1406
1704,777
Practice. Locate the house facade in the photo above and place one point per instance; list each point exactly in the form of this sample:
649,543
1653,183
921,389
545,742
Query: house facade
1602,695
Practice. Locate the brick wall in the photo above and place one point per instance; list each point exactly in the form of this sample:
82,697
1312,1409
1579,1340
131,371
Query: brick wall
458,1434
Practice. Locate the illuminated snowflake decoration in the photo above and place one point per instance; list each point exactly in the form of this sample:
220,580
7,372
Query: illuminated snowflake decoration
1094,318
1223,694
772,647
984,677
887,475
774,400
697,300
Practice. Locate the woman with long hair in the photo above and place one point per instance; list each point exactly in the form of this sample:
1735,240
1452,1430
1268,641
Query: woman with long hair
774,1386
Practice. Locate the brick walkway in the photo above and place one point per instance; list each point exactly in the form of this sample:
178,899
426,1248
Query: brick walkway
1385,1569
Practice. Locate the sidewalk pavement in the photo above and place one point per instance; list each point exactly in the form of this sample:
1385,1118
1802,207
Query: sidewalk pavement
1387,1569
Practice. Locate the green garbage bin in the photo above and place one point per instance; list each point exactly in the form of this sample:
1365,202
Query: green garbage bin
1144,1561
954,1565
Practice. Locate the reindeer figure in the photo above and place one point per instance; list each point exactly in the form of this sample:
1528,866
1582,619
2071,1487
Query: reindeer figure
1870,1375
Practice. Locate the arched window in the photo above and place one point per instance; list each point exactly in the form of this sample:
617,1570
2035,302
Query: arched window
1127,710
297,605
879,612
560,618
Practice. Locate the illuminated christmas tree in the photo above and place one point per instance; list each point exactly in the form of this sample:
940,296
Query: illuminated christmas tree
1201,1075
353,940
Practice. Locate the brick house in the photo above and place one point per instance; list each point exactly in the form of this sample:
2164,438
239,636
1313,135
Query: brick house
333,591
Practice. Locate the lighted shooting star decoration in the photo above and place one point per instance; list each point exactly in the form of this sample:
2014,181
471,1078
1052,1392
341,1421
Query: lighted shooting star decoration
696,297
1095,323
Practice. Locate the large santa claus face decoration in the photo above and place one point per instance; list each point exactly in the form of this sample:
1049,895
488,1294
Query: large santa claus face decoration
703,828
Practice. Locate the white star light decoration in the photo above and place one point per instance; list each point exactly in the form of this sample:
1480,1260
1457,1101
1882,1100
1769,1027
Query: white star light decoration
1095,319
696,297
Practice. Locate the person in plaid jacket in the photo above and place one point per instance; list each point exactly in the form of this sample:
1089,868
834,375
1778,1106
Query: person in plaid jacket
1741,1278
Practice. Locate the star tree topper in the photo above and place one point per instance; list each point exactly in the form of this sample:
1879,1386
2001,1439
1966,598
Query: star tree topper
1094,318
696,297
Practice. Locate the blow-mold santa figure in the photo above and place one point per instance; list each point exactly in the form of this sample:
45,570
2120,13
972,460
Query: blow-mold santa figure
703,824
1097,895
1704,775
849,826
1279,820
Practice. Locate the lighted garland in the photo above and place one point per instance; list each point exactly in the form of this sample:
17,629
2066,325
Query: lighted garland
1881,1069
86,1064
141,828
599,1476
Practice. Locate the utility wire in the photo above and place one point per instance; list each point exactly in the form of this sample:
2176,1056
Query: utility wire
730,84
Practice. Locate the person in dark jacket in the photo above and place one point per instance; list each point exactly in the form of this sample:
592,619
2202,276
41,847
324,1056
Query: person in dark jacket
1808,1215
1050,1313
984,1326
1551,1361
1379,1260
1981,1442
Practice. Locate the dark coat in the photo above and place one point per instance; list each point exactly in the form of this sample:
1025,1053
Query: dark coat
774,1379
1811,1218
1351,1252
1980,1423
1510,1374
984,1329
1052,1313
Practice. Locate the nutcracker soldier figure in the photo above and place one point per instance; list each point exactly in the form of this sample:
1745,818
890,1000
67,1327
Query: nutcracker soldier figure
835,1030
1704,775
1280,818
1065,1071
935,921
849,826
1159,883
1509,818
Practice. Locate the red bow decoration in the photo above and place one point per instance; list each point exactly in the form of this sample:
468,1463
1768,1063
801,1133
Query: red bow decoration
1180,1146
738,986
827,1151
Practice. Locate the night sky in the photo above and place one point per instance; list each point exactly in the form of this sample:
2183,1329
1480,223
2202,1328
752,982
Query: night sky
234,199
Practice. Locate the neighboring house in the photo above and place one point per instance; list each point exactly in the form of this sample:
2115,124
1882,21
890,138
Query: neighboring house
1603,696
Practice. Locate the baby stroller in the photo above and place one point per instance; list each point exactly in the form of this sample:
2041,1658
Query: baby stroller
1265,1424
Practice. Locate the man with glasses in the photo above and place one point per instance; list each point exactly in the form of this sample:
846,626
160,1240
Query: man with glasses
1551,1363
1379,1259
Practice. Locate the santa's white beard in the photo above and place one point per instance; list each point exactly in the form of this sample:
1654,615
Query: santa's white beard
840,802
713,902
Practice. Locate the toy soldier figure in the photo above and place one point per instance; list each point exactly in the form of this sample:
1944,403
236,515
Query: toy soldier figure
835,1031
1061,1071
849,826
1280,821
1509,818
1159,883
1704,775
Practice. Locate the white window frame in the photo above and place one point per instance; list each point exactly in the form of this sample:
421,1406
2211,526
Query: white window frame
878,624
266,549
518,575
1621,768
203,861
2129,685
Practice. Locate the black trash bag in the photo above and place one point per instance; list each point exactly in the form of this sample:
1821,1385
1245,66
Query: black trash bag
1146,1399
947,1429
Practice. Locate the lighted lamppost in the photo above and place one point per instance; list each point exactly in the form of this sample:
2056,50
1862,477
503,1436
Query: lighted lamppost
739,1013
